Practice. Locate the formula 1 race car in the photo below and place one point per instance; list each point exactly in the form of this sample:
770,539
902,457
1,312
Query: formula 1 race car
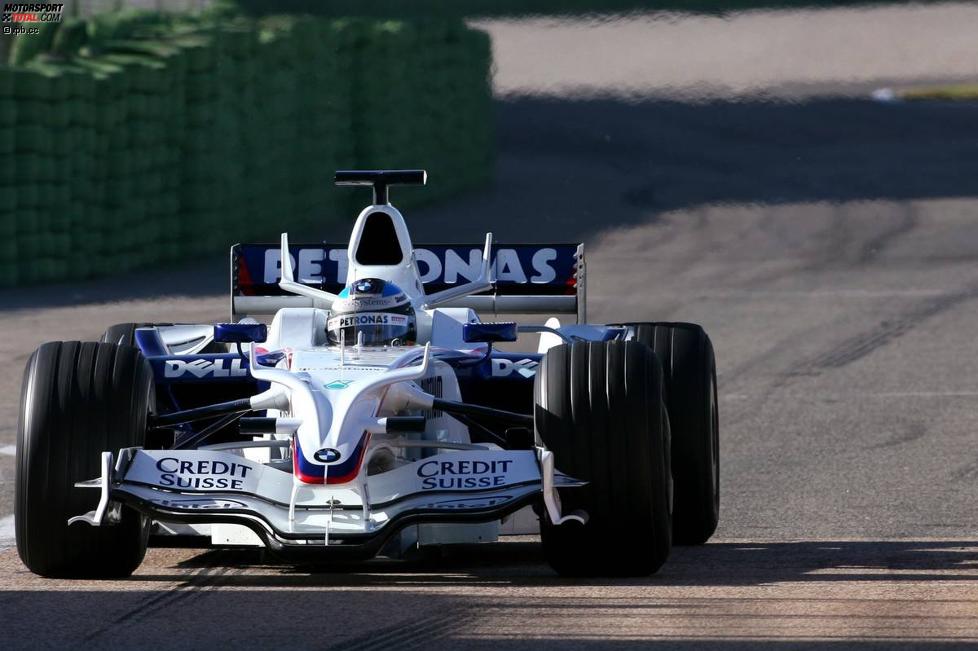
374,415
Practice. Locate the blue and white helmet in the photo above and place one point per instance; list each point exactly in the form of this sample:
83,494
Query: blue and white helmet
375,308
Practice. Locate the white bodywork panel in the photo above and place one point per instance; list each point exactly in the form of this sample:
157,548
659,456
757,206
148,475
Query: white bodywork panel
405,275
235,535
297,327
444,328
548,339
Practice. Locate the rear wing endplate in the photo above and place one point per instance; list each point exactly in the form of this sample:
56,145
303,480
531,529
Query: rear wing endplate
530,278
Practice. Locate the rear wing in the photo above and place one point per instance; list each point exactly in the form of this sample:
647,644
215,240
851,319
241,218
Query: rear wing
530,278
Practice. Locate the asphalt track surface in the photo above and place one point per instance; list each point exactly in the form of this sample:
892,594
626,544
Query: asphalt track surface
828,243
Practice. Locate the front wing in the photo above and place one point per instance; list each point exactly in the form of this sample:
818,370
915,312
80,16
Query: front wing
356,519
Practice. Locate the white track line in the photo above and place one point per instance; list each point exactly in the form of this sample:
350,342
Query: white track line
10,450
7,538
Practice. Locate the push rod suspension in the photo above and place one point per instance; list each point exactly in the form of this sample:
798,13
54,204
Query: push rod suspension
452,407
200,413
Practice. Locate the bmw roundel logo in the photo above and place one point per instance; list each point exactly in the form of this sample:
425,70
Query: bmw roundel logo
327,455
366,286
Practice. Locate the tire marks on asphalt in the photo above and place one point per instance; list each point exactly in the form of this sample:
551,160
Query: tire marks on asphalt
420,633
905,224
908,433
861,345
967,473
198,582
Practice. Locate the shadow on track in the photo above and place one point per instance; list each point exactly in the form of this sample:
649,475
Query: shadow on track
522,563
577,167
568,169
771,597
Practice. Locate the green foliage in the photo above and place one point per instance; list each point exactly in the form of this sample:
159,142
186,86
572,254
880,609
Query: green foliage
138,138
28,46
948,93
70,38
443,9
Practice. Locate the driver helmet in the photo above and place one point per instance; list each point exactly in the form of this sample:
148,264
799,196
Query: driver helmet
375,308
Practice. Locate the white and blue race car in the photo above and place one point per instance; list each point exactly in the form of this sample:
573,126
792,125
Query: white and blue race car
375,414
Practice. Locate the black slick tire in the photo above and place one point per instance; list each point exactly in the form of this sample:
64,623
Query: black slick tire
78,400
123,334
600,410
689,365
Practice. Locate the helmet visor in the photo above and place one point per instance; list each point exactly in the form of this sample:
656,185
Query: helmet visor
376,328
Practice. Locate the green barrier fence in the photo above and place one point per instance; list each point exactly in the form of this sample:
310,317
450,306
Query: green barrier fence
149,138
510,8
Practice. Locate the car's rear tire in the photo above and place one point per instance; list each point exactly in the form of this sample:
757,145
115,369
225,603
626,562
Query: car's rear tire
600,410
688,363
78,400
123,334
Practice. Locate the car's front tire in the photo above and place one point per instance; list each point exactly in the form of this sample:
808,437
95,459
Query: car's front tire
78,400
600,410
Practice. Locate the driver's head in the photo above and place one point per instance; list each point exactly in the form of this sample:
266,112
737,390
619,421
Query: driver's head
376,308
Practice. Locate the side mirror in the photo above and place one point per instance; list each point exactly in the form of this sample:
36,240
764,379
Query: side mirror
489,332
240,333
